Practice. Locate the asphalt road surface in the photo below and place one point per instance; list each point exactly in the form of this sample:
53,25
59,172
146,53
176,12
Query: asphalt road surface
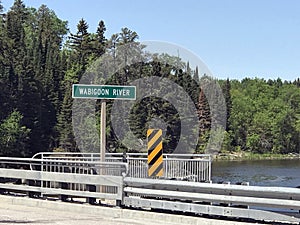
14,210
19,214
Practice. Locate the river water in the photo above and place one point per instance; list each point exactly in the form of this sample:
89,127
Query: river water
280,173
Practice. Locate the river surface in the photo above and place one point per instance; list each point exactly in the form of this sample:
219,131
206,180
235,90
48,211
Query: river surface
280,173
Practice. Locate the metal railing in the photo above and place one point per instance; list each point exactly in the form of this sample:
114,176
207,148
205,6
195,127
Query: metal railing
84,167
190,167
252,202
90,179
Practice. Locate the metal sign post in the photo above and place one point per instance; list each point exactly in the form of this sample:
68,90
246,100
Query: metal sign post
103,131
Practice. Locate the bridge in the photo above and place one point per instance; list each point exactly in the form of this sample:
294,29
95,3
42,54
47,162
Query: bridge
122,183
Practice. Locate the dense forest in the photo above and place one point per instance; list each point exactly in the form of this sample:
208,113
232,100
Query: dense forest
40,59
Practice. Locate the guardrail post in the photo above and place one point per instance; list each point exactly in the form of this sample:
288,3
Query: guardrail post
63,197
166,166
209,169
91,188
64,185
2,180
30,193
119,202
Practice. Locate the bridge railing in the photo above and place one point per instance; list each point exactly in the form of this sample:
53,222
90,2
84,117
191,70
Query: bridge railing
85,179
191,167
108,180
271,204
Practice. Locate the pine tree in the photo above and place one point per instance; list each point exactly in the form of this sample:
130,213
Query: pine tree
297,82
65,128
188,69
203,113
227,95
4,64
80,40
47,32
196,75
204,120
30,106
112,48
100,40
82,45
128,36
16,34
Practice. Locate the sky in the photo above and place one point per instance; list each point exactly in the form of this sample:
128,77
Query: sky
234,38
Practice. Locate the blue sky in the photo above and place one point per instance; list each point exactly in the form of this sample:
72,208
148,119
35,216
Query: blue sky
234,38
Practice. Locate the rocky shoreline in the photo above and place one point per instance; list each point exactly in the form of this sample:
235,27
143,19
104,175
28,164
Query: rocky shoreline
240,156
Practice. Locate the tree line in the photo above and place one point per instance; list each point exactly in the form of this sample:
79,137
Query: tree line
40,59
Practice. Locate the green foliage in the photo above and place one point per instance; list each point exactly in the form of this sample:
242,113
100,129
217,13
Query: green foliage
100,40
150,111
38,65
265,115
30,72
13,136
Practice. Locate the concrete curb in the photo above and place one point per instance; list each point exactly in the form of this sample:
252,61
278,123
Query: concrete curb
113,212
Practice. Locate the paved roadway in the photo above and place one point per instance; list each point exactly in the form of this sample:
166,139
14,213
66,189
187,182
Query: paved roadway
19,214
22,210
13,214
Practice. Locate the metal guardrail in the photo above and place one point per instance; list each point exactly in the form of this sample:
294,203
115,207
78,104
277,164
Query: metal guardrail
190,167
217,189
108,181
89,180
204,198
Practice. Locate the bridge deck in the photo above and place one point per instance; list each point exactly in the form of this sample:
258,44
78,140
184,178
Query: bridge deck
23,210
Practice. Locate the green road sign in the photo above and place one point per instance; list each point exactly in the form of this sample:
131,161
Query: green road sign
103,92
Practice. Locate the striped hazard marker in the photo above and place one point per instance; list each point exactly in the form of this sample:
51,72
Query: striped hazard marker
155,153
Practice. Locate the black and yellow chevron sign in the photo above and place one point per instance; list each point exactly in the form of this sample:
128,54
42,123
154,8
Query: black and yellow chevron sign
155,153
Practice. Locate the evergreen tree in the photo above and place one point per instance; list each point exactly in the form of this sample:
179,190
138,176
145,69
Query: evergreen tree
194,87
204,120
100,40
128,39
196,75
36,74
203,113
66,136
127,36
49,36
82,44
17,52
227,96
297,82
